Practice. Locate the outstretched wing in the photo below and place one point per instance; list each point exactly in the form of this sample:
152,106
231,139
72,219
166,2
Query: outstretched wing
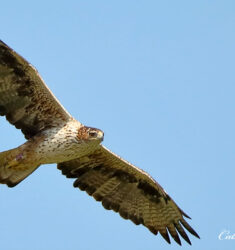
25,99
129,191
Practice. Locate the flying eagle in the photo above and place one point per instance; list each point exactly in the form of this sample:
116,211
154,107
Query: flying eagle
54,136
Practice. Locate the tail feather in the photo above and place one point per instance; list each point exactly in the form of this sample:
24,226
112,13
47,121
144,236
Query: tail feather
13,169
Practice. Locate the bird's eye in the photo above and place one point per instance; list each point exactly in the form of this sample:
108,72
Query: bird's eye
92,134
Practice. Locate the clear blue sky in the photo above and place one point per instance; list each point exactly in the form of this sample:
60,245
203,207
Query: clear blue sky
158,78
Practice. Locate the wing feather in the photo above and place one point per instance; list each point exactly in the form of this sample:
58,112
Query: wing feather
25,99
129,191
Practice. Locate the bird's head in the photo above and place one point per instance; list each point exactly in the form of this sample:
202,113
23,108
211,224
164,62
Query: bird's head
90,134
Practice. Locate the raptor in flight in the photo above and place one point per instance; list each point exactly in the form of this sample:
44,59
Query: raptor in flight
54,136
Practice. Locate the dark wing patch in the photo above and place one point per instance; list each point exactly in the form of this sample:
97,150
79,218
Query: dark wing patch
25,100
129,191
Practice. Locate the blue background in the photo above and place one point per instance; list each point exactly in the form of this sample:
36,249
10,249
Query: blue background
158,78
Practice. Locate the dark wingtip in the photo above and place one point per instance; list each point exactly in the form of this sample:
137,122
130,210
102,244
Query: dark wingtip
181,231
174,234
185,215
177,239
165,235
195,234
189,228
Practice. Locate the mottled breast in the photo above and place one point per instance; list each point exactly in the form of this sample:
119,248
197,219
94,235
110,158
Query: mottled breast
63,144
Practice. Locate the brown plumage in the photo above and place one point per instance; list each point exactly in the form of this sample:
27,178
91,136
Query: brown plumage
54,136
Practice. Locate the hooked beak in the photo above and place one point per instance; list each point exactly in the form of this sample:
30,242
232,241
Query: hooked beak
100,135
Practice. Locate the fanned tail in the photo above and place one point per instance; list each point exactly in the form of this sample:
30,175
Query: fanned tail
13,168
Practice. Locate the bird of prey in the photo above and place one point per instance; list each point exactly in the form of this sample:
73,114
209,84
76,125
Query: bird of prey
54,136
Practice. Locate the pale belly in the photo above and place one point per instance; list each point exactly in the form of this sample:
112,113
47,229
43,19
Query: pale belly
56,153
60,144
